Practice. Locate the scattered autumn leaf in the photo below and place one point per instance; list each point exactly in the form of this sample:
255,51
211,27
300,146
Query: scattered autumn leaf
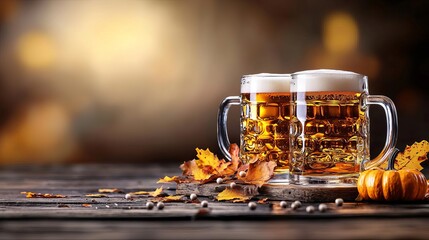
155,193
235,195
259,173
171,198
168,179
190,168
109,190
42,195
412,157
263,201
139,193
235,160
87,205
96,195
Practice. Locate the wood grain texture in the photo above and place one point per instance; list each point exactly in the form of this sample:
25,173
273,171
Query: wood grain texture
115,217
310,193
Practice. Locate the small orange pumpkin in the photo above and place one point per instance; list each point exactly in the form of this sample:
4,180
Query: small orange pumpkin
392,185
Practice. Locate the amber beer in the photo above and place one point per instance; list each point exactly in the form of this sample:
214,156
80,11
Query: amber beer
331,133
265,121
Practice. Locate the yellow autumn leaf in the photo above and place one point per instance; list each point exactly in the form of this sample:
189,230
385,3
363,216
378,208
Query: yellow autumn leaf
109,190
168,179
233,194
139,193
172,198
412,157
155,193
207,158
190,168
96,195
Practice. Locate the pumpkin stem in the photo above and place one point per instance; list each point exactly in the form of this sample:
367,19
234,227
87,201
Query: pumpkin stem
391,160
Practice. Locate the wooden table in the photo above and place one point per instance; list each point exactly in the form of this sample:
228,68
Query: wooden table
118,218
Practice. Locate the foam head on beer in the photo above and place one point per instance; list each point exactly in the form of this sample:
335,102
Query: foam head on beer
265,83
326,80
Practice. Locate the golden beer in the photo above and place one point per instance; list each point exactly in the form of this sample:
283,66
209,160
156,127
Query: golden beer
329,133
265,128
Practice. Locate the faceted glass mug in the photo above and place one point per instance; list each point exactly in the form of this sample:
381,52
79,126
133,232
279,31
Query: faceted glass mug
264,122
329,126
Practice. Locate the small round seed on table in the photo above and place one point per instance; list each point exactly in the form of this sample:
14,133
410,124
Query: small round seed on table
232,185
298,204
323,207
149,205
160,205
252,205
283,204
309,209
242,174
339,202
204,204
219,180
193,196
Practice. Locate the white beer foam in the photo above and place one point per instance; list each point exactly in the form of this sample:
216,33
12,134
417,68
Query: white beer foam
326,80
265,83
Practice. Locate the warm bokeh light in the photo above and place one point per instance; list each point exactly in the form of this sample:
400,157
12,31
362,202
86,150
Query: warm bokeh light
340,33
36,50
141,81
41,132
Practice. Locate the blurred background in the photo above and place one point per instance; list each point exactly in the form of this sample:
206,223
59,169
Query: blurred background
141,81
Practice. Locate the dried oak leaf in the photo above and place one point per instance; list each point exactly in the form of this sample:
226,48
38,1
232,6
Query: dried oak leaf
42,195
96,195
259,173
412,157
109,190
233,194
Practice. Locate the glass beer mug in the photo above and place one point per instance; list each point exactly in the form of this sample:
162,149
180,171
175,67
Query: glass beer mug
264,122
329,126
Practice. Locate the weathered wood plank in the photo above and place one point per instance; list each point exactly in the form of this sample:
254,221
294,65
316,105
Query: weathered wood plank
309,193
407,228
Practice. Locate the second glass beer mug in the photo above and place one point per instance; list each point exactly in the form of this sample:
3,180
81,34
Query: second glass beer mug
329,126
264,127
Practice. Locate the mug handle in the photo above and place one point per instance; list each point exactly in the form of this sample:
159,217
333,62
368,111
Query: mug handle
222,116
391,130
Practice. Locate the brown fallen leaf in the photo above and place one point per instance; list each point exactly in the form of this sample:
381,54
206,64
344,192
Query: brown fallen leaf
412,157
42,195
263,201
259,173
96,195
235,195
109,190
87,205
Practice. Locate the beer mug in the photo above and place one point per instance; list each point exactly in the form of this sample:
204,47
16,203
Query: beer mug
264,122
329,126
